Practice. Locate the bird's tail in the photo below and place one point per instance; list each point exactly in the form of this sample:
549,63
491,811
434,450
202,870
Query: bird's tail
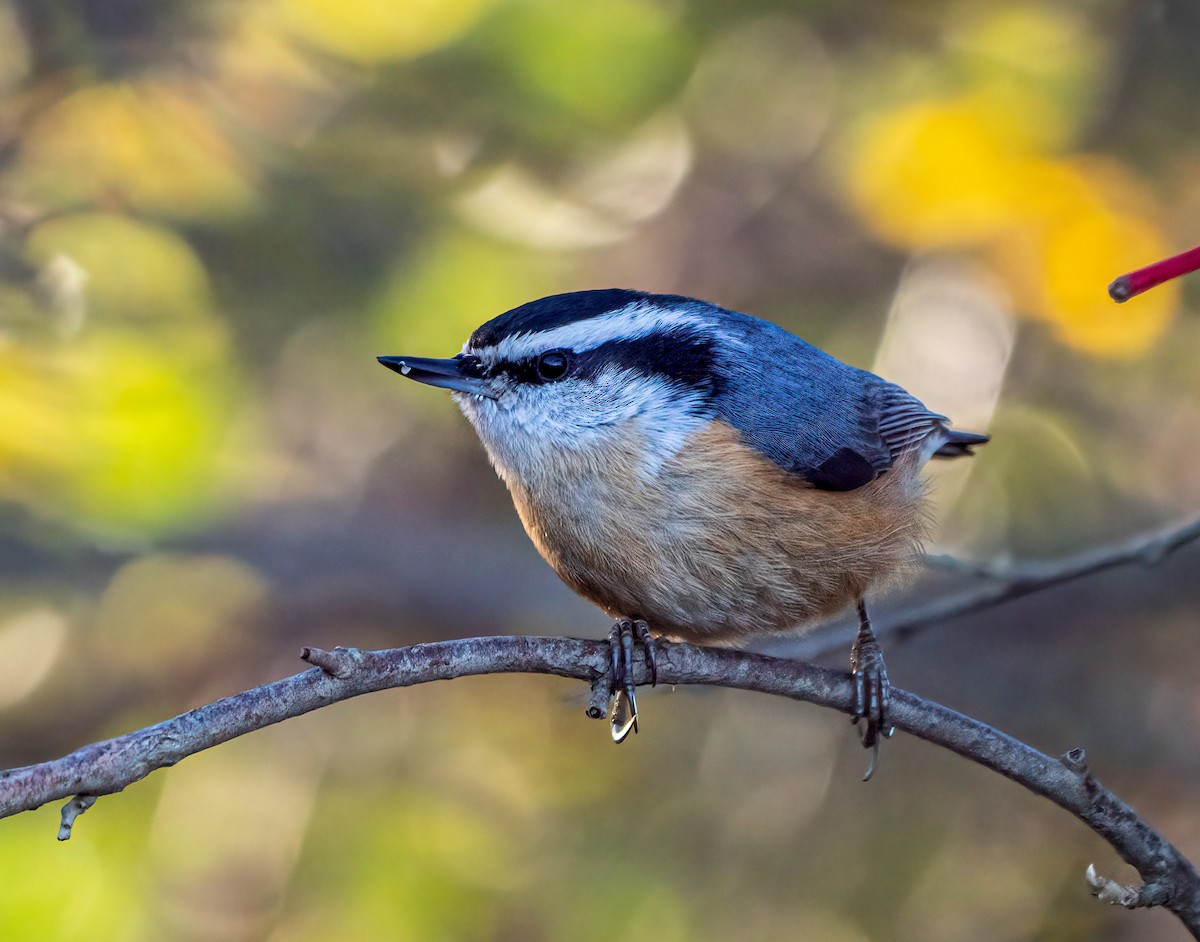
958,444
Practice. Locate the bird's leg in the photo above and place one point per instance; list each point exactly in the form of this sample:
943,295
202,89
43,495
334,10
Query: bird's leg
871,689
625,631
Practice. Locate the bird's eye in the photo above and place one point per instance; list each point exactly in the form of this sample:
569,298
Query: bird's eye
553,365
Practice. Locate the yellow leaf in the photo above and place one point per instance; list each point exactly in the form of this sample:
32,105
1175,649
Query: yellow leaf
372,31
1043,65
135,272
145,145
1082,254
940,174
144,434
1086,221
35,438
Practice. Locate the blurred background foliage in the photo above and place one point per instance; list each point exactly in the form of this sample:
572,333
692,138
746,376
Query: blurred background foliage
212,216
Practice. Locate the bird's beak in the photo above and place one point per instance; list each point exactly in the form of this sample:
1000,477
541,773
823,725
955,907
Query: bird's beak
448,374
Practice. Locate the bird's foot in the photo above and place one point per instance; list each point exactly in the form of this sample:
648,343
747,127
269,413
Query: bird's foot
872,692
625,632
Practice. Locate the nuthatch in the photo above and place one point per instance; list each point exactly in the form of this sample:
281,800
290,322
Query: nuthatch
698,473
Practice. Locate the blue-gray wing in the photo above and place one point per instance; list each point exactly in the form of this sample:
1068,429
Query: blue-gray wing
836,426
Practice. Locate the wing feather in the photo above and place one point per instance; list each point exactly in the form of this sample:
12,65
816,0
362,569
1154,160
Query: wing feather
836,426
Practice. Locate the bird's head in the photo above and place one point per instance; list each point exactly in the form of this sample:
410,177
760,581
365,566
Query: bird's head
566,375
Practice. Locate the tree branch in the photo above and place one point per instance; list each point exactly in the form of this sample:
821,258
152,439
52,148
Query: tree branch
1004,582
108,767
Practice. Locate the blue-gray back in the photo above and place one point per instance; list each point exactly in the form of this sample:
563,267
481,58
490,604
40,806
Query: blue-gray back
837,426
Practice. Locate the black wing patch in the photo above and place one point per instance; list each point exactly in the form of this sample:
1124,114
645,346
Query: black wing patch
844,470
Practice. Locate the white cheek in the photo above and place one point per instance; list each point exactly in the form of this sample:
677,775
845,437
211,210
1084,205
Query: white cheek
645,408
507,443
527,428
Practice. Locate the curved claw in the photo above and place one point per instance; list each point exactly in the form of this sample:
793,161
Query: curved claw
623,719
624,714
874,763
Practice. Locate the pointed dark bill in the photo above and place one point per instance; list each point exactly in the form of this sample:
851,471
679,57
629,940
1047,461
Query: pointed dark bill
445,374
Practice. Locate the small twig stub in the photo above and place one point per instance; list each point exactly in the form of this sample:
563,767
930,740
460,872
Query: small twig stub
1110,891
72,810
340,662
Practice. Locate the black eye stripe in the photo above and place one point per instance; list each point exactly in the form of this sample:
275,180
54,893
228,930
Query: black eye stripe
545,368
683,357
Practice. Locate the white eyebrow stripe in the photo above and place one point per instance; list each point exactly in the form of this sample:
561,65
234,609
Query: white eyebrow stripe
638,319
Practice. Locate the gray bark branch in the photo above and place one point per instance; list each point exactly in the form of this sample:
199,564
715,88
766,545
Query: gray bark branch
1002,582
104,768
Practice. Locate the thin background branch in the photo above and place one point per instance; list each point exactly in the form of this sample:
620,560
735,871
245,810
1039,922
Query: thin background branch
1003,582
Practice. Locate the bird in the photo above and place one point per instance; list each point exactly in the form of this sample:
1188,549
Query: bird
700,474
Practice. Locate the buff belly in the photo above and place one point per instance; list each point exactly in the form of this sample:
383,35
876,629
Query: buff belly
720,542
